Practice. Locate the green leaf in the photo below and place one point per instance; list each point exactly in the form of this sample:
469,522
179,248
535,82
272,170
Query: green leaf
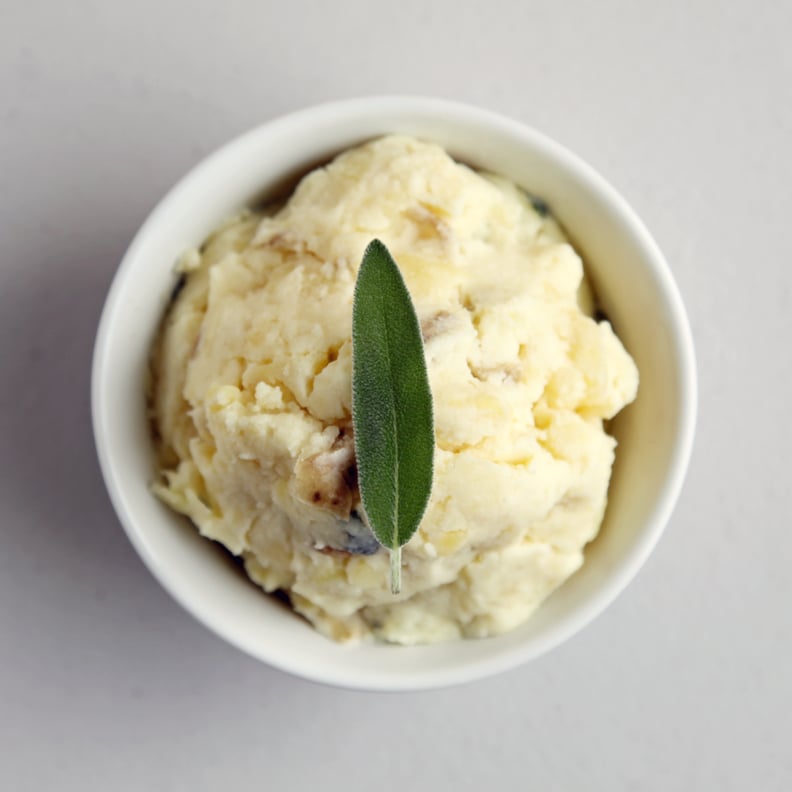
391,405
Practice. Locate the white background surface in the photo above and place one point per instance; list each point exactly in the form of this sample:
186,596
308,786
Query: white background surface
684,683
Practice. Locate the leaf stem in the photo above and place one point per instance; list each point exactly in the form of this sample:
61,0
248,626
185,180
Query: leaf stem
395,565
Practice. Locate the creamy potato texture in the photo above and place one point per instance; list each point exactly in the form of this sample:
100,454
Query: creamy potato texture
252,397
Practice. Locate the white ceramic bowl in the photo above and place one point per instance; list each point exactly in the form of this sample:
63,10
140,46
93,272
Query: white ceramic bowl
634,287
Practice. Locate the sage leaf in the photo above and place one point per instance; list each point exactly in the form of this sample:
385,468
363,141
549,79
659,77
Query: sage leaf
391,405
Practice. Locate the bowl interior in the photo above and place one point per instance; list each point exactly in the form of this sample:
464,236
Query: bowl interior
633,287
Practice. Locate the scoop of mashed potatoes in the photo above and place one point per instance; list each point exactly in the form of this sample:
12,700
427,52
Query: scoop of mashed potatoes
252,397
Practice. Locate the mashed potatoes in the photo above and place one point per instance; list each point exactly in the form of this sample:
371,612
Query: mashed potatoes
252,397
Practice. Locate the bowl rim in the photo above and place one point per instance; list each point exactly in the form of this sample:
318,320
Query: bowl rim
683,355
